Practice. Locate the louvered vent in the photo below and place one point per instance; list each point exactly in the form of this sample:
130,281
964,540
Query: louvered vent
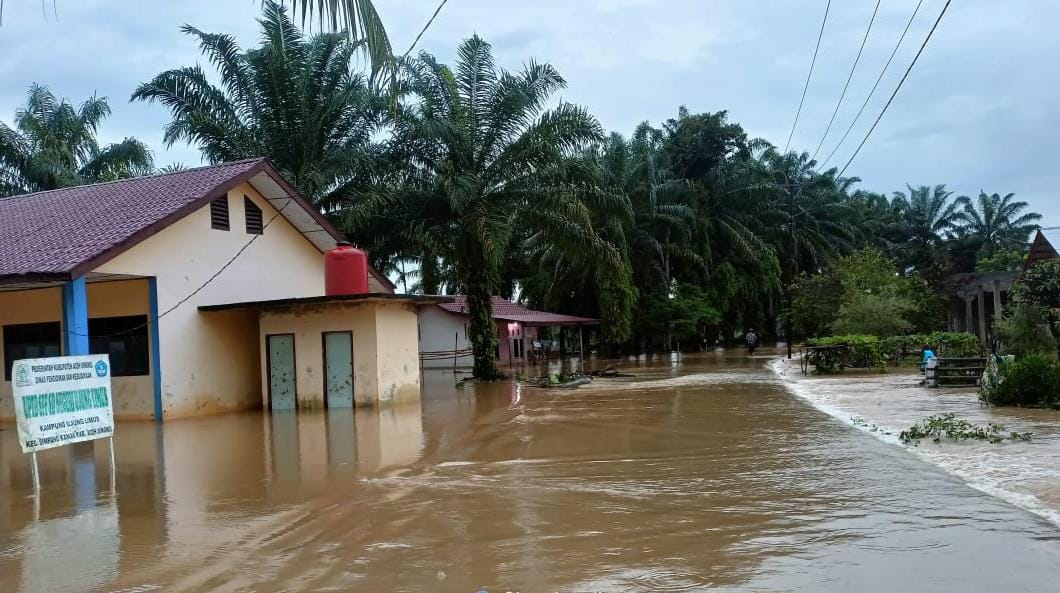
254,222
219,214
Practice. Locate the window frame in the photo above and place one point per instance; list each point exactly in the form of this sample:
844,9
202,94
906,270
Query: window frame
133,362
10,358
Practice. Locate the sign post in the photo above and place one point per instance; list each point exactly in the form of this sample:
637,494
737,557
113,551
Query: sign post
60,401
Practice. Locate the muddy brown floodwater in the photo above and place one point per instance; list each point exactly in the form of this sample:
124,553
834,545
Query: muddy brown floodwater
708,473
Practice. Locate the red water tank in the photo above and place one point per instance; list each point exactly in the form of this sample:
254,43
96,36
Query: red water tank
345,270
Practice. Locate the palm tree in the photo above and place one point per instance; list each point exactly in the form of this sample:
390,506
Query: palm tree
930,218
53,145
485,164
358,18
994,222
293,100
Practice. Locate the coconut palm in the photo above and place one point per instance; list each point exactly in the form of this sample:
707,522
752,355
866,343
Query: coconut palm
485,165
53,145
294,100
994,222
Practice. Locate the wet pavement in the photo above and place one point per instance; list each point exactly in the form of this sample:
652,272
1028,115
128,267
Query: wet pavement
705,474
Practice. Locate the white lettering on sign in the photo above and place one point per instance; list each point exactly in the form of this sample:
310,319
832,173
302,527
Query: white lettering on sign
62,400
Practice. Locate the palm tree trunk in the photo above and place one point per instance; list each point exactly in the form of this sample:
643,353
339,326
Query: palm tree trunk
482,330
429,276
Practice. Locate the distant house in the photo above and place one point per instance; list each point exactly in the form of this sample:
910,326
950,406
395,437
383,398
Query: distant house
975,299
206,288
444,340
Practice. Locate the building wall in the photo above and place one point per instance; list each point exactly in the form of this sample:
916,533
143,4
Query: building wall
438,329
385,357
397,353
210,360
133,397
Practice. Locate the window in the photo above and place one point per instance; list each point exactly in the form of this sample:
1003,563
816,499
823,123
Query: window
125,339
254,226
219,213
32,340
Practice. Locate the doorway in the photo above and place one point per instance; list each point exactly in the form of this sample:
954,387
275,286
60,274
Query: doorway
279,354
338,369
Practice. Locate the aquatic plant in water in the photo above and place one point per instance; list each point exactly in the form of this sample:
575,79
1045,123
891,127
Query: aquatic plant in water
949,426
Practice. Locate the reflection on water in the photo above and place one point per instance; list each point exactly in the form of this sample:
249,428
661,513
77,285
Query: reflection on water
698,473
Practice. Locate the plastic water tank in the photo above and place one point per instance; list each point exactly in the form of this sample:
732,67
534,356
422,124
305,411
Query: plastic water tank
345,270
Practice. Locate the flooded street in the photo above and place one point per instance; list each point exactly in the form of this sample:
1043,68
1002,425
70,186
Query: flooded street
710,473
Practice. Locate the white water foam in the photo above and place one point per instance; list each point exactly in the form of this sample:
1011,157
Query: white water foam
967,469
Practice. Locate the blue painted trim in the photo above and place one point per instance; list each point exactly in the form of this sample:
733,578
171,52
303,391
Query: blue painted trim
75,318
156,352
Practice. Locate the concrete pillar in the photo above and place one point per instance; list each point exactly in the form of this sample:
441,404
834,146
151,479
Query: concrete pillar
156,351
75,318
997,299
968,323
982,317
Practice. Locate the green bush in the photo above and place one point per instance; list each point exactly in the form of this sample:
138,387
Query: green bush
858,352
1030,382
1022,330
951,344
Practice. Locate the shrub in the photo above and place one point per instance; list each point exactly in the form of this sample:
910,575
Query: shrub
857,352
953,344
1031,382
1022,330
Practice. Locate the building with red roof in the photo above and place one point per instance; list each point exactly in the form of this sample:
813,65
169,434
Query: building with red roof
444,341
204,286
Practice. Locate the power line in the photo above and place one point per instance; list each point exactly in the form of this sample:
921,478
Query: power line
809,75
875,85
424,30
897,88
213,277
850,77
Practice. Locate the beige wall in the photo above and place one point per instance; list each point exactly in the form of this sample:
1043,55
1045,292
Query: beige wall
385,355
133,396
210,361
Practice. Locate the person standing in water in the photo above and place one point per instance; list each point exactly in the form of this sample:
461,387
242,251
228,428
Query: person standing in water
752,341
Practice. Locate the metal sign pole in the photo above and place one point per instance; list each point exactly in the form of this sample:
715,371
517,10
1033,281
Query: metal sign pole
36,473
113,478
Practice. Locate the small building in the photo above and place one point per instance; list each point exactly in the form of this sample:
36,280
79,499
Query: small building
444,340
976,299
206,288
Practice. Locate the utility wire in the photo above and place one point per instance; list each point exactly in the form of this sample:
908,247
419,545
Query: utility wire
213,277
424,30
875,85
809,75
850,77
897,88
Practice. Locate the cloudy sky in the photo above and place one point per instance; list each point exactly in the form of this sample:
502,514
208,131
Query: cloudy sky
979,111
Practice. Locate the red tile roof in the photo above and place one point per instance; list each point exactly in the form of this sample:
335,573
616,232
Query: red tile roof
64,233
509,311
53,232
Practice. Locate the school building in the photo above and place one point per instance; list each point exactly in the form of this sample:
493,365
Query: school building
206,289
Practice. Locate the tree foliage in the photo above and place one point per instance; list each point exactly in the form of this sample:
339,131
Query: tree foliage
53,144
296,100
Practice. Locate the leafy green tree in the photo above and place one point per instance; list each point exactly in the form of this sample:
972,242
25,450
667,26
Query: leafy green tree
873,302
1040,287
996,222
1002,260
485,165
691,313
53,145
1022,332
294,100
816,304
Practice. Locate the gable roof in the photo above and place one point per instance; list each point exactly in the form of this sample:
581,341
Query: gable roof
1041,250
65,233
508,311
